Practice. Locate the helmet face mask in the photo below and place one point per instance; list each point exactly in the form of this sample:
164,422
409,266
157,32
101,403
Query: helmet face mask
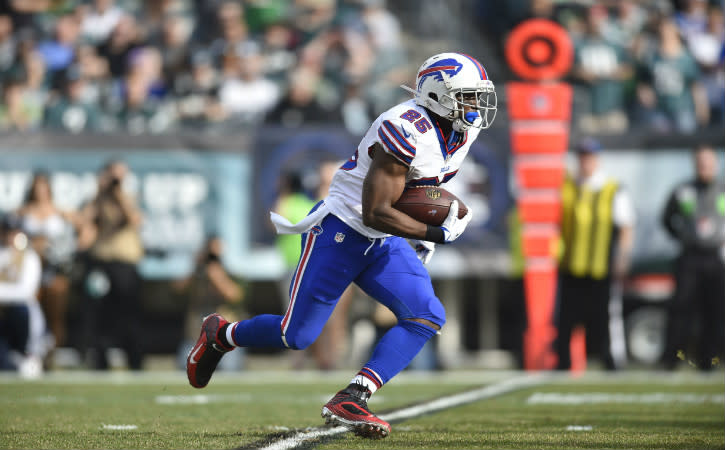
456,87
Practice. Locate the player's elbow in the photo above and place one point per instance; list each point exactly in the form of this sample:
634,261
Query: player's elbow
368,218
374,217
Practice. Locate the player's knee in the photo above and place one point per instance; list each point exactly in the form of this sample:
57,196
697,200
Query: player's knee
434,317
299,340
425,322
437,313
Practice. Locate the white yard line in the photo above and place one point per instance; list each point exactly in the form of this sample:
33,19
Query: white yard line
590,398
119,427
451,401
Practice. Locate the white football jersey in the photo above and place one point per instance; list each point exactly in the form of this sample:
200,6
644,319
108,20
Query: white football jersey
408,133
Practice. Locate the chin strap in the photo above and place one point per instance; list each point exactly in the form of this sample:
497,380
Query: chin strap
460,125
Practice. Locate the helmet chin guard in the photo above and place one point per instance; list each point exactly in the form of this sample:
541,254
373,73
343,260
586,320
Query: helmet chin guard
456,87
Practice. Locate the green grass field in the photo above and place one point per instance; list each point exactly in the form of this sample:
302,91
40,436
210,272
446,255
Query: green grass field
157,410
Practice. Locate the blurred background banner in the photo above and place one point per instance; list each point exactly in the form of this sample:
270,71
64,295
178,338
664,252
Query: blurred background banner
185,196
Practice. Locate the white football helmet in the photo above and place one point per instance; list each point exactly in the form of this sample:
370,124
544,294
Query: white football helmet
443,80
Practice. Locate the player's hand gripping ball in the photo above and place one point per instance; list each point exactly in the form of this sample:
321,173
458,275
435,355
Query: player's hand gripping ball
428,204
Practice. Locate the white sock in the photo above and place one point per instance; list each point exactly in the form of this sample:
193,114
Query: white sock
229,336
365,381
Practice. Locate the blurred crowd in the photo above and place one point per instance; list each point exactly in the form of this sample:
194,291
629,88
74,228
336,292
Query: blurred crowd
649,64
162,66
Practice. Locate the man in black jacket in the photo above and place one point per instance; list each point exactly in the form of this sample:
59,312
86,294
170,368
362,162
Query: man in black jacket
695,217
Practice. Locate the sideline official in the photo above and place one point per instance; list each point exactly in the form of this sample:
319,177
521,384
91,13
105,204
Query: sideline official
695,216
597,233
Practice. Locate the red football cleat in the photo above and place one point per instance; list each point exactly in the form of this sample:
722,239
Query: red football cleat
207,351
349,408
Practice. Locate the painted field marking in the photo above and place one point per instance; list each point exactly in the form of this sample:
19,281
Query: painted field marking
451,401
589,398
119,427
579,428
201,399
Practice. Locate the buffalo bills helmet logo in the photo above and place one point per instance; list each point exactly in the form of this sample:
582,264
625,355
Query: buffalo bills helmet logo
449,66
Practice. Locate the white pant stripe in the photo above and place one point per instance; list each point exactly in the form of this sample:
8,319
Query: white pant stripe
297,281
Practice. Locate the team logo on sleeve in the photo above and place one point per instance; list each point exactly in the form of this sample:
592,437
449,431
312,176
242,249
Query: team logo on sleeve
316,230
449,66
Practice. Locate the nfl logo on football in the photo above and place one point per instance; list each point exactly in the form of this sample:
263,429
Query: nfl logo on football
339,237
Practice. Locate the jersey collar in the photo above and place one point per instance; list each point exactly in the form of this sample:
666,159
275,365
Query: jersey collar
453,142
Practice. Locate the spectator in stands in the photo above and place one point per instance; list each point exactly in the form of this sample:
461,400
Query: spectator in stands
50,232
22,325
626,24
23,13
96,77
261,15
197,103
71,111
99,20
707,47
59,52
602,66
206,26
356,112
691,18
144,107
695,217
112,283
311,17
670,97
18,110
153,14
174,46
8,45
209,287
233,34
124,38
278,48
35,91
381,81
244,93
302,104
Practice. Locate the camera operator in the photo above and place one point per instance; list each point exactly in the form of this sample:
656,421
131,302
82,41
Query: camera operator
112,284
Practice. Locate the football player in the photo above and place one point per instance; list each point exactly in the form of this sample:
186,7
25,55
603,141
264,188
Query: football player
355,235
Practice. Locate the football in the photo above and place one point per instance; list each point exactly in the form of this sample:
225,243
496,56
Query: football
428,204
